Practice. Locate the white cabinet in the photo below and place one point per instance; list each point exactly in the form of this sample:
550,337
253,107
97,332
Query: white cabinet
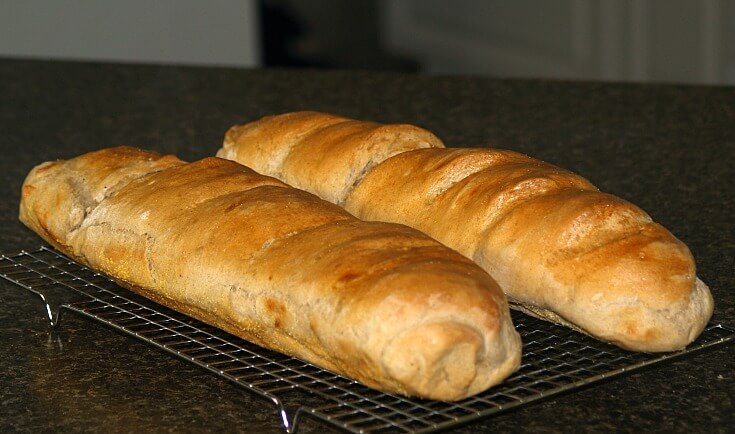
222,32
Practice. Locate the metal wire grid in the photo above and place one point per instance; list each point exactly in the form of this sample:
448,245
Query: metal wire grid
555,359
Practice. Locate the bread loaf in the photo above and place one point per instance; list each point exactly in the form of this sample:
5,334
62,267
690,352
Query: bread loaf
558,247
381,303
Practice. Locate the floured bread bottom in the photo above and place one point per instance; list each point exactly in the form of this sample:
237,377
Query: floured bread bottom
543,314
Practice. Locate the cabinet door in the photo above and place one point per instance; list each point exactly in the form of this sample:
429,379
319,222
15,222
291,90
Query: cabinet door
660,40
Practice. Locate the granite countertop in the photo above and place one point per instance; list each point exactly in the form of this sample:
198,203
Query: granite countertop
669,149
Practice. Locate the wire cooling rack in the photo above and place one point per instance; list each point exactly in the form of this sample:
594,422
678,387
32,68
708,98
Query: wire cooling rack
555,359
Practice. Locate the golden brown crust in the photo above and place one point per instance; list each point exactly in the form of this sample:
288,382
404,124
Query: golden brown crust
378,302
553,242
292,147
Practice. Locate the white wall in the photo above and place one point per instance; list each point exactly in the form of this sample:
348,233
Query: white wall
219,32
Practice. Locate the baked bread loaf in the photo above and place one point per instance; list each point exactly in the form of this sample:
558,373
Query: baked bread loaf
558,247
381,303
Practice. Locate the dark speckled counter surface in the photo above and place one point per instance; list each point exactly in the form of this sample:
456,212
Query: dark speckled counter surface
669,149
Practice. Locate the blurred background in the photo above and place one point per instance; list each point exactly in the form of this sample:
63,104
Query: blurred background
680,41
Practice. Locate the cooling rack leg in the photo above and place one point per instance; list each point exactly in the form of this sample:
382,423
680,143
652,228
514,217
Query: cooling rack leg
56,323
293,428
49,312
287,424
53,313
53,319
